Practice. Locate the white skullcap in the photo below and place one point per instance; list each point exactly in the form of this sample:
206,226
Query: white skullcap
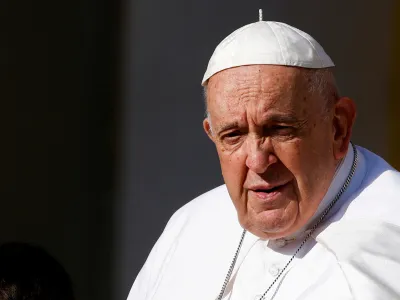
267,43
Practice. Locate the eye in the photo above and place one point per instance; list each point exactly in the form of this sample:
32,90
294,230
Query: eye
232,134
231,137
280,127
280,130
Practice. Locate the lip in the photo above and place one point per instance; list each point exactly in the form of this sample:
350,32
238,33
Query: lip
266,186
268,192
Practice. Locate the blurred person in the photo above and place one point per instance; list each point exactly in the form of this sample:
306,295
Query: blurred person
303,213
29,273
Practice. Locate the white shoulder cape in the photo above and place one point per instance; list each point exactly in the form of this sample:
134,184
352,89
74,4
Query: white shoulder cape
356,253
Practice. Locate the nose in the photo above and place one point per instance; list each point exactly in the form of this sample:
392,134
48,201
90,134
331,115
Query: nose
260,155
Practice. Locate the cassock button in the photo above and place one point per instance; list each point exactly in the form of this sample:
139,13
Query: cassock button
257,297
274,270
280,243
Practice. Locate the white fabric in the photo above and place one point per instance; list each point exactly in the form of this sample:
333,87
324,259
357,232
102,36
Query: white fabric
354,255
268,43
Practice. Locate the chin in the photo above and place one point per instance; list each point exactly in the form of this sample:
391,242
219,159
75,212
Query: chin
270,225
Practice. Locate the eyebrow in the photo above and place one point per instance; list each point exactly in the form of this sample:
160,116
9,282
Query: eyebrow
278,118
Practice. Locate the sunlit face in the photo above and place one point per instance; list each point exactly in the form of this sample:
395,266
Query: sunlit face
278,154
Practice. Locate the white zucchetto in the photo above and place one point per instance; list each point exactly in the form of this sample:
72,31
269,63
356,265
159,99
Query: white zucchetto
267,43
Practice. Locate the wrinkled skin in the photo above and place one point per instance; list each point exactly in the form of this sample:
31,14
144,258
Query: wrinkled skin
277,144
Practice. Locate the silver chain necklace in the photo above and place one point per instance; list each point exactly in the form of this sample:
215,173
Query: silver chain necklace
311,231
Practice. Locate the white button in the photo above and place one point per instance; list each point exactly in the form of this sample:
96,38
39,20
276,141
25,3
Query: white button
257,297
280,243
274,270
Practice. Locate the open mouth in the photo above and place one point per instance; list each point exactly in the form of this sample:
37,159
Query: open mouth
274,189
269,194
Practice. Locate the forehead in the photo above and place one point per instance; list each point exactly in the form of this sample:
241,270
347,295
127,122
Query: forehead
261,85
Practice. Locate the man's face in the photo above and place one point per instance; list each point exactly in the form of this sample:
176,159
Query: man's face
275,147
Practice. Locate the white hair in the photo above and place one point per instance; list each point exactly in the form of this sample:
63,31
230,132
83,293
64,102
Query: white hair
323,83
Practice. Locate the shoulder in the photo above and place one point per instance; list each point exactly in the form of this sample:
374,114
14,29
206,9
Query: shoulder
364,235
200,218
379,173
367,253
371,210
189,226
212,204
377,197
215,198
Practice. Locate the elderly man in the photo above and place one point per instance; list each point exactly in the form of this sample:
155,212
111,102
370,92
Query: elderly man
303,214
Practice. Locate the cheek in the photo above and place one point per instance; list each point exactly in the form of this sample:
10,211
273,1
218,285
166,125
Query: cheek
234,171
298,160
289,154
307,159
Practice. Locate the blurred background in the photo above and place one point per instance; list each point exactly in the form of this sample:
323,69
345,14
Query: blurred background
102,114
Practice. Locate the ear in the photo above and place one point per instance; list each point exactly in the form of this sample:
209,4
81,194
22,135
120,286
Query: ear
343,121
207,128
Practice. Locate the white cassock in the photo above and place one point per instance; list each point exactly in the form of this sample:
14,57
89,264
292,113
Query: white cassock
354,254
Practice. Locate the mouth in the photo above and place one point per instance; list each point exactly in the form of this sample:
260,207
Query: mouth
268,193
271,190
